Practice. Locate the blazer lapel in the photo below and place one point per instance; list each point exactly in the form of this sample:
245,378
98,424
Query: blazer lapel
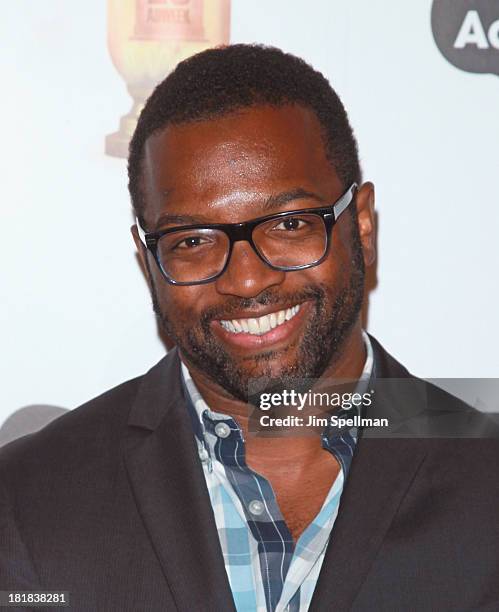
171,494
380,475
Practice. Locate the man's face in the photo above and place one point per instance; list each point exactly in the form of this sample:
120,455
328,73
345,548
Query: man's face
226,170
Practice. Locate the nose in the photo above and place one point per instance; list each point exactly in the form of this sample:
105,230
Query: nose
247,275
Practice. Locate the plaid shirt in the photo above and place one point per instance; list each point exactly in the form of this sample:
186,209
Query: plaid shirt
266,570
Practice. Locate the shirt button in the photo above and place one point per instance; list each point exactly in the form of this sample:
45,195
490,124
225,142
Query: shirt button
256,507
222,430
203,454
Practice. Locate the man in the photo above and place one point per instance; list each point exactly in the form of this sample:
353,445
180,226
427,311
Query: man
254,230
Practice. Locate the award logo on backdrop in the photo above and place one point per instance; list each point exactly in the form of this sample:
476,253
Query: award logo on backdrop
467,33
147,39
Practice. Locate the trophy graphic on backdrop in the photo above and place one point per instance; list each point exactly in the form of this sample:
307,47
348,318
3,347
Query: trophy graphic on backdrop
147,39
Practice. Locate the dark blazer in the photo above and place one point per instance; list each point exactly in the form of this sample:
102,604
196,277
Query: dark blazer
109,503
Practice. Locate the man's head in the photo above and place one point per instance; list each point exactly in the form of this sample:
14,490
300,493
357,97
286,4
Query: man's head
229,133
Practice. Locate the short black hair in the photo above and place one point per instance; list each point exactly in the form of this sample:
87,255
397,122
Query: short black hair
224,79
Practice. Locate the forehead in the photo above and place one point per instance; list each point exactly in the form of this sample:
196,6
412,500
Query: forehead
235,159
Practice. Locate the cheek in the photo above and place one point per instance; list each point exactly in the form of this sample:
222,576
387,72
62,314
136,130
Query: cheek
181,304
333,272
341,236
341,250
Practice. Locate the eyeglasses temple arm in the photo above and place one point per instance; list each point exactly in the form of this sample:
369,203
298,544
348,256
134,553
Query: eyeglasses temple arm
344,202
140,231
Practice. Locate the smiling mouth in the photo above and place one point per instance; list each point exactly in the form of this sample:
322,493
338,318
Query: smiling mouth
261,325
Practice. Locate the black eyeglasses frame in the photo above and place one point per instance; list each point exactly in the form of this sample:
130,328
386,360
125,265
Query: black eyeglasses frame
236,232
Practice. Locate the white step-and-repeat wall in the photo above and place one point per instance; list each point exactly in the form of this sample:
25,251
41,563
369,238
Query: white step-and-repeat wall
420,83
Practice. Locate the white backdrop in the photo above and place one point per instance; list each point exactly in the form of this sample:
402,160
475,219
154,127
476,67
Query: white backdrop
75,313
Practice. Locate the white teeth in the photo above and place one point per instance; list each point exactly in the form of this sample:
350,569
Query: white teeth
263,324
253,326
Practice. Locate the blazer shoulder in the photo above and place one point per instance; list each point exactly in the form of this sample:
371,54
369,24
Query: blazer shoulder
89,436
76,438
426,407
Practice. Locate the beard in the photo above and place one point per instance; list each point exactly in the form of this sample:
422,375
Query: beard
331,319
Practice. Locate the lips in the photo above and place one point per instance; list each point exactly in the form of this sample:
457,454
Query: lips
273,330
257,326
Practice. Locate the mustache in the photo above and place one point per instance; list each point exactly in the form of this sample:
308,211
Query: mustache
268,297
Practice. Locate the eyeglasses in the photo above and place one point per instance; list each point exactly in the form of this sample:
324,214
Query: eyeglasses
291,240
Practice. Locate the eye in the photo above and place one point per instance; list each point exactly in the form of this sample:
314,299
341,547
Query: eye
290,224
190,242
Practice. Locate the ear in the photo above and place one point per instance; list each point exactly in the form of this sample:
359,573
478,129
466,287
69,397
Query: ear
366,221
141,253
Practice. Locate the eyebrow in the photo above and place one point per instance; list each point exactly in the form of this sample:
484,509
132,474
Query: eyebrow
271,203
274,201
